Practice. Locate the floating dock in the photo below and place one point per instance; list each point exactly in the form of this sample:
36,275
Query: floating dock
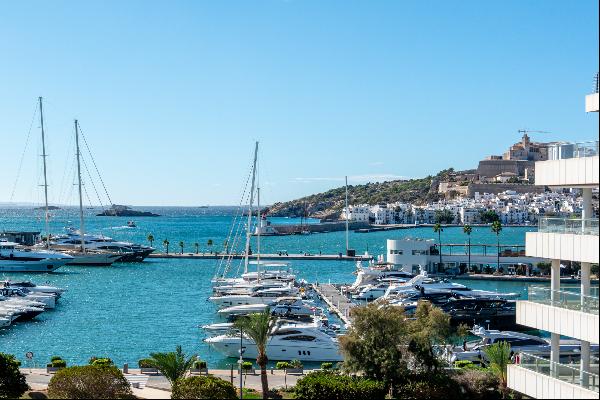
271,257
336,302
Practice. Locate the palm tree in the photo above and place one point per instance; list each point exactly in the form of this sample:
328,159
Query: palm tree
150,239
173,365
468,229
181,244
166,244
258,328
437,228
209,243
498,355
497,228
197,246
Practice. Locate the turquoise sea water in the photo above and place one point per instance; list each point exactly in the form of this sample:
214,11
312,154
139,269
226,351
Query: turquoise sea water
129,310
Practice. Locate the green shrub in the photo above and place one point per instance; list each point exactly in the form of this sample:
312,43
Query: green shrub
282,365
101,362
296,364
247,365
199,364
326,365
91,382
145,363
12,381
430,386
478,384
204,387
57,362
328,385
464,364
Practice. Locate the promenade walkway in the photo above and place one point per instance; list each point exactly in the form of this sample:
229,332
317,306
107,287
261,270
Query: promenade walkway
336,302
157,386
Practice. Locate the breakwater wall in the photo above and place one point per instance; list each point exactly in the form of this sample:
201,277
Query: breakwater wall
292,229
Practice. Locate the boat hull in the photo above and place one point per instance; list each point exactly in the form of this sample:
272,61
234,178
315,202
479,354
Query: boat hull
94,260
45,265
278,352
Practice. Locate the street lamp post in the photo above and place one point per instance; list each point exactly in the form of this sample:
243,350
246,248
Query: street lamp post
241,361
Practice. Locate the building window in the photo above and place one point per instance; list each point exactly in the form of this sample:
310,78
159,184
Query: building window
419,252
399,252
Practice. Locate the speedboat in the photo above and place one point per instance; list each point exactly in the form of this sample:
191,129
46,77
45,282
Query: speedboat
288,340
131,224
14,258
32,287
47,300
218,328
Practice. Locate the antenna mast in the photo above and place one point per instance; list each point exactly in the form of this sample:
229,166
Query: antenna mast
81,223
45,175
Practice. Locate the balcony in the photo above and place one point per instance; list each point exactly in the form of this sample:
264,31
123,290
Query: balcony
541,378
564,239
565,151
563,299
575,226
569,165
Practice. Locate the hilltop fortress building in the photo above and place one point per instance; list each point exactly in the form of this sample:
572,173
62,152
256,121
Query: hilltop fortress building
518,161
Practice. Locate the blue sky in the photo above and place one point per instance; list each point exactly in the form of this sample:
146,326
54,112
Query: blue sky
171,95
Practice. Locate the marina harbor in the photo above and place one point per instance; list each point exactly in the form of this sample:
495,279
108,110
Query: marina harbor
300,200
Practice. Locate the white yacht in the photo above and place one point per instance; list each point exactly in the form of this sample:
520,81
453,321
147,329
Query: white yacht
285,307
14,258
265,296
218,328
290,340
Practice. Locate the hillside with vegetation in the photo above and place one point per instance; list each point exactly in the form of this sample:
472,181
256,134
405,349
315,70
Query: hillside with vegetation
329,204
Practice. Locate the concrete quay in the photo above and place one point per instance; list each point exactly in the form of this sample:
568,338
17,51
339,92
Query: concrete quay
336,302
270,257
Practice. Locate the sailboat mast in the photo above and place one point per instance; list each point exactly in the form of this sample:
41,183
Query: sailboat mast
258,236
249,233
45,174
81,223
347,211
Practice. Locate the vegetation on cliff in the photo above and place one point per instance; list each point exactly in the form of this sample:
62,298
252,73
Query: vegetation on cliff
329,204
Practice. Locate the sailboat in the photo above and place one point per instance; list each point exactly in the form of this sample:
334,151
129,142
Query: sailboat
263,271
81,256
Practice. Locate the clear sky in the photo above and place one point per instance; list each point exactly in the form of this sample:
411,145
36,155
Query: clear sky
172,94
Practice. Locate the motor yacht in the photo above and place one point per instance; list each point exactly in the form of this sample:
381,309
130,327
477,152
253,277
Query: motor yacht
285,307
129,252
289,340
474,350
264,296
15,258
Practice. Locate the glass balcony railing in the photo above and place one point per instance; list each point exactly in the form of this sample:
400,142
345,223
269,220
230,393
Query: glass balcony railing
570,373
563,151
563,299
576,226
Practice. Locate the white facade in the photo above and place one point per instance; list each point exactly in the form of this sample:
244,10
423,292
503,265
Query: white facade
562,311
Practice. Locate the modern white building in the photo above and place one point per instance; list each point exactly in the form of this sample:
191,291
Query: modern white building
563,311
409,254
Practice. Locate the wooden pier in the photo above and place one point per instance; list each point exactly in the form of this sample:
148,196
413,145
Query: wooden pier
270,257
336,302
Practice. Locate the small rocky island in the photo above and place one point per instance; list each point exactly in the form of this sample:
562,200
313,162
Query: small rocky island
117,210
49,208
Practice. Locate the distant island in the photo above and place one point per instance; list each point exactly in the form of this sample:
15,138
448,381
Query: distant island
49,208
117,210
